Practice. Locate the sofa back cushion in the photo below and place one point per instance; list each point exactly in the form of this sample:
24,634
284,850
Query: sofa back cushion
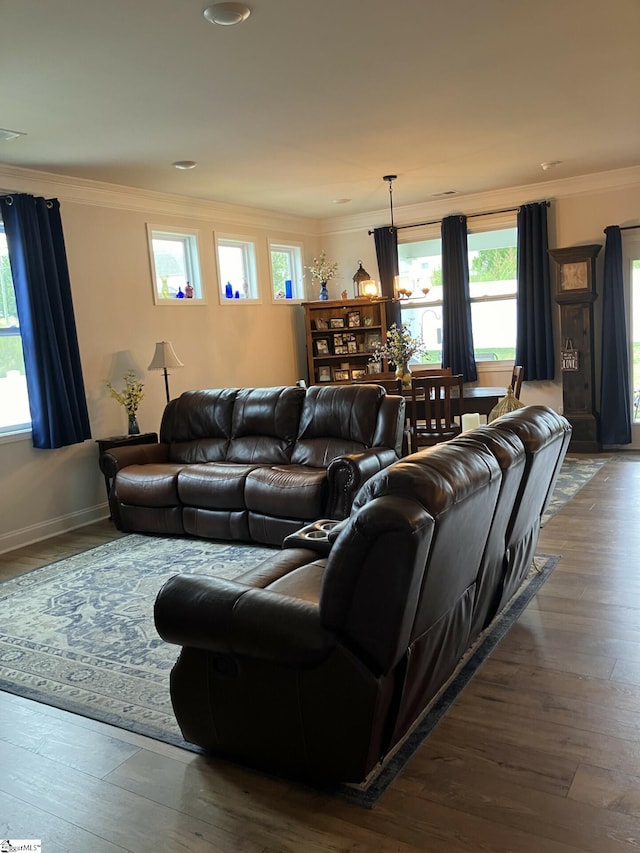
336,420
458,486
197,425
545,436
265,424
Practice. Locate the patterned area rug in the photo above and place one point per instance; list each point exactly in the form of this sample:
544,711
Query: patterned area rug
576,473
79,634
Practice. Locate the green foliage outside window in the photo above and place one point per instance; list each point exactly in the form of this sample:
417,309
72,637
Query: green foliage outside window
494,265
279,271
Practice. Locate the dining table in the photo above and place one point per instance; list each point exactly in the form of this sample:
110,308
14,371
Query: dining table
481,399
476,398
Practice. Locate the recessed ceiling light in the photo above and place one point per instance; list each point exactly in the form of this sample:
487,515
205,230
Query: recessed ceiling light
550,164
341,200
6,135
446,192
185,164
227,14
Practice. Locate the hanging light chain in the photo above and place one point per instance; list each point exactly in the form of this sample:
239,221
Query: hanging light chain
390,179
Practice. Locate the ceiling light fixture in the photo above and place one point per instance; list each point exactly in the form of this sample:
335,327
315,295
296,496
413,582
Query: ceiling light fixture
550,164
390,179
227,14
185,164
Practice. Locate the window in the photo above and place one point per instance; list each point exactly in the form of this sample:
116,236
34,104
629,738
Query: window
175,267
492,290
237,270
14,400
286,271
633,256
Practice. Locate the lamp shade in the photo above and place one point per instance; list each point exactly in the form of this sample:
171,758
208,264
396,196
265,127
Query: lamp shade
164,357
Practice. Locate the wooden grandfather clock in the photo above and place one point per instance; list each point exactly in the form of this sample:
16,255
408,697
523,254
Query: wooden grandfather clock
575,294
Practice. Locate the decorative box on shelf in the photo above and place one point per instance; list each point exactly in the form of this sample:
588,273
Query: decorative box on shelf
341,335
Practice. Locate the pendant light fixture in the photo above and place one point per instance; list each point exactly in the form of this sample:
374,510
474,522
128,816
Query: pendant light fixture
390,179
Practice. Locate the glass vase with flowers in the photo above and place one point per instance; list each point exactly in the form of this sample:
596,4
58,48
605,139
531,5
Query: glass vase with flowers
130,398
399,347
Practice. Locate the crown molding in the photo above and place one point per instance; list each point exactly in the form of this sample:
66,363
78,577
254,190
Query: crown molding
116,196
475,203
100,194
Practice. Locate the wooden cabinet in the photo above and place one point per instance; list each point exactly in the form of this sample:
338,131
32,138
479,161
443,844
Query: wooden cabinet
341,335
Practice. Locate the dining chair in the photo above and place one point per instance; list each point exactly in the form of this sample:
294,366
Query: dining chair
431,413
516,380
389,381
419,370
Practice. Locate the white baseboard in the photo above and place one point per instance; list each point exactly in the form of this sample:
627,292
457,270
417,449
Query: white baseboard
52,527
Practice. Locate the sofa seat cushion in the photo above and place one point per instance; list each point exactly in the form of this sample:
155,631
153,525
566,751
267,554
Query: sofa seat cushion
287,491
153,485
303,583
214,485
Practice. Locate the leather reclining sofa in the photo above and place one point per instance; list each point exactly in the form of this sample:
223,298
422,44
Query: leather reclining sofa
254,464
320,660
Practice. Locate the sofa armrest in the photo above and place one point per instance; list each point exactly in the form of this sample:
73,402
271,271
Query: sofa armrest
226,617
116,458
347,473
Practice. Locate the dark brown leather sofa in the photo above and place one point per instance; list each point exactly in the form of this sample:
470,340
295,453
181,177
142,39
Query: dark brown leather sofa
320,660
255,464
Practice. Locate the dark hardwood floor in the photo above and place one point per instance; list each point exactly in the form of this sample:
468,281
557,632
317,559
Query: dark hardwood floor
540,754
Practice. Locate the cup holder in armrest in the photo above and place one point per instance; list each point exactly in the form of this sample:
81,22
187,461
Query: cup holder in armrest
314,536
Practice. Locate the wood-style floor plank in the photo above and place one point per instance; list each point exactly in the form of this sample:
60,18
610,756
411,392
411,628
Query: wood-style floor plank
540,753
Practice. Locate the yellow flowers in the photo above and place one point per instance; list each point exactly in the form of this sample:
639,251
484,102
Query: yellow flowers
132,395
399,347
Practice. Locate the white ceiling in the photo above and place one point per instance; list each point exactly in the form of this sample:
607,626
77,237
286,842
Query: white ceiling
309,101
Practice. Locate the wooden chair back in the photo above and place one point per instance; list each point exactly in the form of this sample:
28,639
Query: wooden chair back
431,413
388,381
418,370
516,380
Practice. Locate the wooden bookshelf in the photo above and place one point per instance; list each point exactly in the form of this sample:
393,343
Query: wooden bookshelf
341,335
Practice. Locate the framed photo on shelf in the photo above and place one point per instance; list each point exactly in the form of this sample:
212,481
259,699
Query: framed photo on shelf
372,340
336,322
320,323
324,374
322,346
337,341
340,375
341,350
374,367
358,373
352,346
353,319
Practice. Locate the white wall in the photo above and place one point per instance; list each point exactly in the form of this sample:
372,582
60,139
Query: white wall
48,491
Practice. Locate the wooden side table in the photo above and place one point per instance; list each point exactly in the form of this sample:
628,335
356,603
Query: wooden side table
121,441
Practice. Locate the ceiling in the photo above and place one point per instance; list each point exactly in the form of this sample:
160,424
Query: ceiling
307,102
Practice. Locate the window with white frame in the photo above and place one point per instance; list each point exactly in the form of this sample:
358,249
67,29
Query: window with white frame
631,248
14,399
237,269
175,266
287,281
492,291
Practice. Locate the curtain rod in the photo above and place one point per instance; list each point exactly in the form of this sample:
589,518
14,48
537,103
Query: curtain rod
624,228
470,216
